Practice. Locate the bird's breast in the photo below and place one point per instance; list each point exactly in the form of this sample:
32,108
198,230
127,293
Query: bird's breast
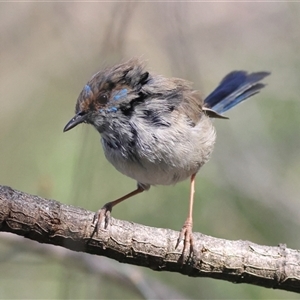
160,155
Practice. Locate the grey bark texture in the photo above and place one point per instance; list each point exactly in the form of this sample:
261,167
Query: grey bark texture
51,222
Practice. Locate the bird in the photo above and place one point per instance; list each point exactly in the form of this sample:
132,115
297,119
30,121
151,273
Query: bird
157,130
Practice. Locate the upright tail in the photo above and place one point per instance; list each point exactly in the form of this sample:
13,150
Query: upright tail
235,87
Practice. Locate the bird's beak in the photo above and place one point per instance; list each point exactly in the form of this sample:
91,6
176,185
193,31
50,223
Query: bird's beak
78,118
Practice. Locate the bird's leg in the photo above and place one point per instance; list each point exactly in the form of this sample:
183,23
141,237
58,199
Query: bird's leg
186,233
104,212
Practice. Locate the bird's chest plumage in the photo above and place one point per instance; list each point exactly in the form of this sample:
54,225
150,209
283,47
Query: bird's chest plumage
159,154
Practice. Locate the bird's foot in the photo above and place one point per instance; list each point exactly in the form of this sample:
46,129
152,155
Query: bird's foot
101,215
186,235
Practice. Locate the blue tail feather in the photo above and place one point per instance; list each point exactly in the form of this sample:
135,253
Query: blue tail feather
235,87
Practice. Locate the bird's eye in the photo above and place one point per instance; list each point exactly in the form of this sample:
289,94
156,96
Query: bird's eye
103,98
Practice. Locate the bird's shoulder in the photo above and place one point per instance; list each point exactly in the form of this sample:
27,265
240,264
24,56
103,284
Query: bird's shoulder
173,95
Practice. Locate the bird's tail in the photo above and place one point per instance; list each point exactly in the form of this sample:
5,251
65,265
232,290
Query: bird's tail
235,87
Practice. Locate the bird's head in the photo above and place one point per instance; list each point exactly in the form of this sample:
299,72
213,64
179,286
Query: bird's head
109,93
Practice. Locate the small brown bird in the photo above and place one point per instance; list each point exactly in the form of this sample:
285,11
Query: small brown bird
154,129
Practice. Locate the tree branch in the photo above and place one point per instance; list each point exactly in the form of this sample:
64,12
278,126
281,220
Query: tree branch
48,221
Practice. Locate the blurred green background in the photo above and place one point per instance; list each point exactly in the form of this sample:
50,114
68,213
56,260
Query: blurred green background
249,190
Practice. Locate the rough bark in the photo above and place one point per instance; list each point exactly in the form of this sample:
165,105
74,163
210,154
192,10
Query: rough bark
48,221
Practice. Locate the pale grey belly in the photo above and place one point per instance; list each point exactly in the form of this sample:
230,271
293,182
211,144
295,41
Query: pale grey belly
151,173
168,159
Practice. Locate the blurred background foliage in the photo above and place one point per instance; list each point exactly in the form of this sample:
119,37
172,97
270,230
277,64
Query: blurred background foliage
249,190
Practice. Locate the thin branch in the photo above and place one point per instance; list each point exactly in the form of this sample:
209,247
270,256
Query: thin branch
48,221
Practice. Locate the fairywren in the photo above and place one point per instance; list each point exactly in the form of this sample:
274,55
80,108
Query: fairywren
154,129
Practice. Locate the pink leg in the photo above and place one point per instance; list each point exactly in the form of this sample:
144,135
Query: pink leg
186,233
104,212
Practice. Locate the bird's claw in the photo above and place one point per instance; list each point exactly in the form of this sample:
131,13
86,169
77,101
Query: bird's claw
186,235
101,215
